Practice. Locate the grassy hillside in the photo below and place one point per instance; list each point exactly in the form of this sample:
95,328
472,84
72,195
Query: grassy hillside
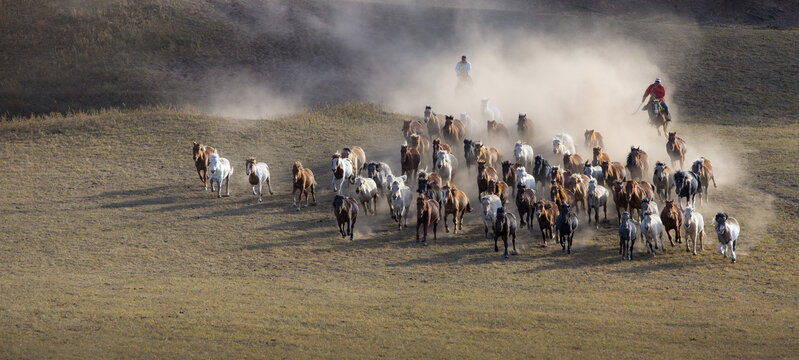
114,250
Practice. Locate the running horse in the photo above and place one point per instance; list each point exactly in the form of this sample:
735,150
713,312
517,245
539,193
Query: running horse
453,130
656,116
200,155
637,163
676,149
433,121
524,128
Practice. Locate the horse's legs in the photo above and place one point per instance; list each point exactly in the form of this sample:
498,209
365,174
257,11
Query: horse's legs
269,186
732,250
505,242
313,193
352,227
454,220
260,189
515,252
701,240
294,197
227,185
669,235
418,224
435,225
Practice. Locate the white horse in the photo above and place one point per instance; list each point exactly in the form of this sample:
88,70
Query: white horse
488,206
562,144
220,171
727,230
400,203
652,229
390,179
468,123
597,197
366,189
342,170
489,112
648,205
523,154
694,228
522,177
446,163
258,175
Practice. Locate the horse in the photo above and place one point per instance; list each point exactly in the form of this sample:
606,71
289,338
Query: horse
303,181
648,206
656,116
686,185
637,163
676,149
524,128
488,207
446,164
409,159
672,219
346,210
636,192
563,143
456,203
400,203
541,170
468,123
619,197
652,231
523,178
627,236
390,179
525,205
614,171
342,170
593,139
499,188
509,175
489,112
566,224
200,154
430,185
694,228
703,167
573,162
523,154
561,195
556,176
358,158
469,153
379,171
494,127
411,127
484,175
505,226
594,172
421,143
433,121
366,189
578,184
599,156
727,231
546,212
438,146
453,130
489,154
258,174
663,179
426,214
597,196
220,171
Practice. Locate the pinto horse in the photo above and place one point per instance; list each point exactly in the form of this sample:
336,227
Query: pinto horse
258,174
343,170
456,203
453,130
687,184
426,214
409,159
505,226
727,231
637,163
672,219
346,210
676,149
524,128
599,156
303,181
433,121
201,153
547,214
703,167
593,139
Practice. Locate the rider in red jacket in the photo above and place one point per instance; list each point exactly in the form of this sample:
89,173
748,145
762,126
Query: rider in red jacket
659,92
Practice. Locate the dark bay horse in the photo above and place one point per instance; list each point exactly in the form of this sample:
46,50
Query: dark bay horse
346,210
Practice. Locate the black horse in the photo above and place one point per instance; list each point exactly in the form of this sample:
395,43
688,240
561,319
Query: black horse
566,224
541,171
505,226
627,235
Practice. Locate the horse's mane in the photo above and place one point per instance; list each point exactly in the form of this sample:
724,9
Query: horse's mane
632,158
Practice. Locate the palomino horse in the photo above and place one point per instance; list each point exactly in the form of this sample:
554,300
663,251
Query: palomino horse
346,210
687,184
597,197
409,159
410,127
421,143
524,128
663,179
488,207
593,139
676,149
525,205
547,214
672,219
366,189
627,236
488,154
453,130
438,146
563,143
727,230
636,192
599,156
495,128
509,175
694,228
456,203
613,171
258,174
303,181
524,155
200,155
433,121
637,163
505,226
484,175
342,171
426,214
358,158
703,167
567,225
220,171
573,163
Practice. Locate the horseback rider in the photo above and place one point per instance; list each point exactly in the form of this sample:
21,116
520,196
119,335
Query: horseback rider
462,69
657,91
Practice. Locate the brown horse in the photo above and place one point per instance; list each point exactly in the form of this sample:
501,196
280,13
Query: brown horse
556,176
593,139
619,197
346,210
509,175
525,205
599,156
499,188
524,128
547,214
456,203
488,154
358,158
573,163
426,215
433,121
485,174
303,181
409,158
672,219
200,154
453,131
637,163
613,171
636,192
676,149
421,143
663,179
497,129
578,184
410,127
437,146
561,195
704,168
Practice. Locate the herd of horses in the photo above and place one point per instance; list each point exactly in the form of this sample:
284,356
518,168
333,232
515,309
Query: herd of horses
572,184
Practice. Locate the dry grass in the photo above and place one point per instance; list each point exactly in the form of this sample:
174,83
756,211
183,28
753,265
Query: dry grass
113,250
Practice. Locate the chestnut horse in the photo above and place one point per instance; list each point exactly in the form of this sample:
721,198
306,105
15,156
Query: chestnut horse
421,143
637,163
561,195
672,219
409,158
509,175
433,121
484,175
346,210
525,205
410,127
636,192
703,167
489,154
524,128
456,203
599,156
453,130
546,213
593,139
495,128
303,181
426,215
613,171
438,146
573,163
676,149
200,156
556,176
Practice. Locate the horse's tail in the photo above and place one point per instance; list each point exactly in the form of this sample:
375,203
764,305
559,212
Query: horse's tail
468,207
